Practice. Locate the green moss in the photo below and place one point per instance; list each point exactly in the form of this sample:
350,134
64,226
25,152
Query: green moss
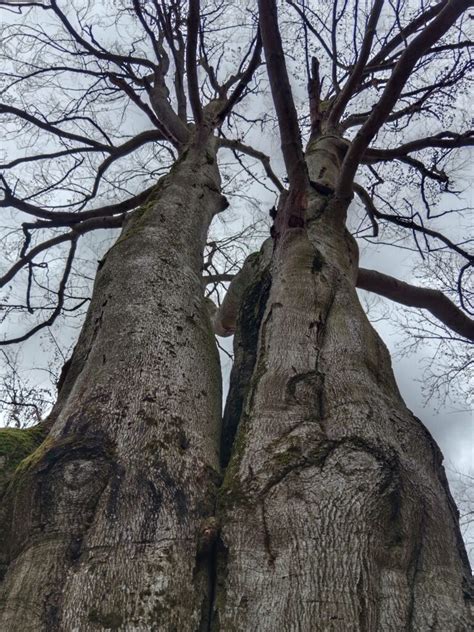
231,492
16,441
16,445
35,457
137,220
291,456
110,620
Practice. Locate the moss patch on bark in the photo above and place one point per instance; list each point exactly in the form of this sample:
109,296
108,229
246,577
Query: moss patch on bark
16,444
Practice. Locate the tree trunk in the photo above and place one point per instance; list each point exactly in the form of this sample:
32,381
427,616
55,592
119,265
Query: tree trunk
106,517
334,513
335,510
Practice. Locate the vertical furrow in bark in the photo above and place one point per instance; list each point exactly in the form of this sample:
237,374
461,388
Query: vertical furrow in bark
109,511
331,476
245,352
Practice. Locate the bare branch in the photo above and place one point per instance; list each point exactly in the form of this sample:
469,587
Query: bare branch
250,151
62,218
77,230
49,156
282,96
417,47
191,60
246,76
316,32
133,96
42,124
99,53
218,278
351,84
407,222
402,36
443,140
424,298
60,301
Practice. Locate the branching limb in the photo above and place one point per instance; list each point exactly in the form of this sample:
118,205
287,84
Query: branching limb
415,49
366,200
408,222
254,153
316,32
53,129
351,84
282,96
191,60
60,300
144,107
424,298
119,152
79,229
61,218
96,51
175,41
433,174
443,140
245,78
48,156
402,36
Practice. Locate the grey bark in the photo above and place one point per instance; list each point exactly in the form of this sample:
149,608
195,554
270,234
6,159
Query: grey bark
108,515
335,510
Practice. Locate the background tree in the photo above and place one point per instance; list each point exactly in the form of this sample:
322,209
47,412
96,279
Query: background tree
319,500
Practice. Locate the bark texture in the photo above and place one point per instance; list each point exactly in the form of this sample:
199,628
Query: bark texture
333,514
335,509
108,520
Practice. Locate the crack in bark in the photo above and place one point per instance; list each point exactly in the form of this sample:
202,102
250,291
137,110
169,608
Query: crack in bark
250,317
363,619
206,563
266,535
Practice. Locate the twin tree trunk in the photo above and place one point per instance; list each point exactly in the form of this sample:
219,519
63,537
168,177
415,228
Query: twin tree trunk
319,503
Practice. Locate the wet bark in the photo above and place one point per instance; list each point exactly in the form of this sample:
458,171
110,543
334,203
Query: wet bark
105,518
335,510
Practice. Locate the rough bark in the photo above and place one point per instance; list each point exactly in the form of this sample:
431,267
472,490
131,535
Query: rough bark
335,510
108,519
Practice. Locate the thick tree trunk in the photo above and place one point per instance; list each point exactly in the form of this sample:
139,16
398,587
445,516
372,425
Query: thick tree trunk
334,513
334,508
108,519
